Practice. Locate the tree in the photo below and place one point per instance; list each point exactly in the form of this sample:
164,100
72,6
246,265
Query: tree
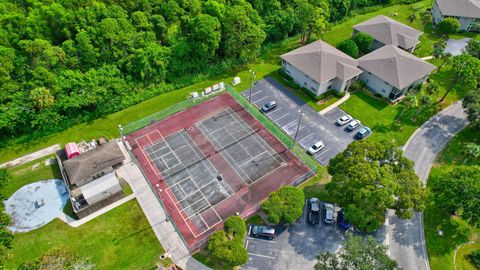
310,18
474,257
467,73
432,88
363,41
227,245
284,205
457,192
6,236
369,178
242,37
471,104
439,48
409,102
204,34
357,252
473,48
426,17
41,98
471,151
449,26
349,47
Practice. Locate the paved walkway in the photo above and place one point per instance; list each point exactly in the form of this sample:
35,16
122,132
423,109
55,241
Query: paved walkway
427,58
406,237
161,225
76,223
336,104
32,156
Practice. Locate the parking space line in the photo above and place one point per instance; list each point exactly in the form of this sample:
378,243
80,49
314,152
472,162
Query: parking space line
274,111
255,101
323,152
256,239
256,92
306,137
263,256
283,115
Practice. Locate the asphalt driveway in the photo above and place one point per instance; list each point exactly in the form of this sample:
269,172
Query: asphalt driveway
295,247
313,127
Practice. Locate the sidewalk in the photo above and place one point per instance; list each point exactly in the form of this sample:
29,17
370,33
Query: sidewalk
32,156
336,104
76,223
161,225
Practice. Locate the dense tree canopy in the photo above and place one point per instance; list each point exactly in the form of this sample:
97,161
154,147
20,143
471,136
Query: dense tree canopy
357,252
471,103
467,73
457,192
63,62
349,47
284,205
363,41
6,236
369,178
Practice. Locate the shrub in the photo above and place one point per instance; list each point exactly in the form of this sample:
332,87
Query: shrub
235,228
349,47
284,205
449,26
231,253
310,94
363,41
474,257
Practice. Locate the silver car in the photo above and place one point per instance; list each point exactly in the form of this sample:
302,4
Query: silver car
353,125
315,148
328,213
343,120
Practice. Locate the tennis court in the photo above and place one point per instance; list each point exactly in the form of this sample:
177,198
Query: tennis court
212,161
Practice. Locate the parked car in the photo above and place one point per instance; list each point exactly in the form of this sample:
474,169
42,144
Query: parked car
328,213
263,231
363,132
315,148
343,120
314,211
353,125
342,222
269,106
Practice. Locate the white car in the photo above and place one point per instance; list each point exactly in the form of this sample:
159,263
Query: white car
353,125
328,213
315,148
344,119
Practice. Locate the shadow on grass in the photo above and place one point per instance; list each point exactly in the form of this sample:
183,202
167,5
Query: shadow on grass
377,104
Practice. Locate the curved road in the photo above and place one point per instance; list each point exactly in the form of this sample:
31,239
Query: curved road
406,237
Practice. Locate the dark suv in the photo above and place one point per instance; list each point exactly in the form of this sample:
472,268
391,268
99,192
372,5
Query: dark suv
314,211
263,231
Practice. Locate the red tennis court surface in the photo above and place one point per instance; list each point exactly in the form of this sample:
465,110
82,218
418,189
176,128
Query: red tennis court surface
210,162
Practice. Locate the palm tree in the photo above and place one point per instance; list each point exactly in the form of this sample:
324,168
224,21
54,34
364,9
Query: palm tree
410,101
471,151
426,17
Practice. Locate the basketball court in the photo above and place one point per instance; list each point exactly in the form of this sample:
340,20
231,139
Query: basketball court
212,161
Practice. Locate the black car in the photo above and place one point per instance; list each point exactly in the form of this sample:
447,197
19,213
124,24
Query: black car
314,211
269,106
263,231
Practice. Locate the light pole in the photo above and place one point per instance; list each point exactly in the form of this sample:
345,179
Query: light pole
298,126
120,129
252,76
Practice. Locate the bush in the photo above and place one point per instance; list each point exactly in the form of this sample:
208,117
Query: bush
474,257
349,47
449,26
235,228
284,205
310,94
363,41
229,252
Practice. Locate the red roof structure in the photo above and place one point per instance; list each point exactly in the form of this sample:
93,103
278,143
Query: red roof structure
72,150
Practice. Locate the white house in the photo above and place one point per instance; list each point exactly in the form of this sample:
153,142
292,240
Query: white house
466,11
319,67
391,72
387,31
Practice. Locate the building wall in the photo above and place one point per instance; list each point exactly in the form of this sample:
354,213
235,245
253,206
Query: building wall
376,45
304,81
436,14
104,195
376,84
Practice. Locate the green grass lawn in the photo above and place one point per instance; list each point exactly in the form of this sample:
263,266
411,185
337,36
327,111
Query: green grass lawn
119,239
455,231
462,260
380,117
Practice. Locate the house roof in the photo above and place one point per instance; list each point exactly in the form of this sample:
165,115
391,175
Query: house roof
92,162
390,32
460,8
322,62
395,66
99,186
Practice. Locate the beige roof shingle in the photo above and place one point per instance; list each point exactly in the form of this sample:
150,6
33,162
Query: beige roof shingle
395,66
322,62
460,8
92,162
390,32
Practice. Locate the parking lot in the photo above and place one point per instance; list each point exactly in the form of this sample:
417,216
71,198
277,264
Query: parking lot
295,246
313,126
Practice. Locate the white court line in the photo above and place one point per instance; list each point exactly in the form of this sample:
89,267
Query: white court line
263,256
256,239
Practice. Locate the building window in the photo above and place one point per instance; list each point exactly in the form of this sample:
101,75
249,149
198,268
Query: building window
313,89
369,73
329,87
307,76
287,71
387,83
305,83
